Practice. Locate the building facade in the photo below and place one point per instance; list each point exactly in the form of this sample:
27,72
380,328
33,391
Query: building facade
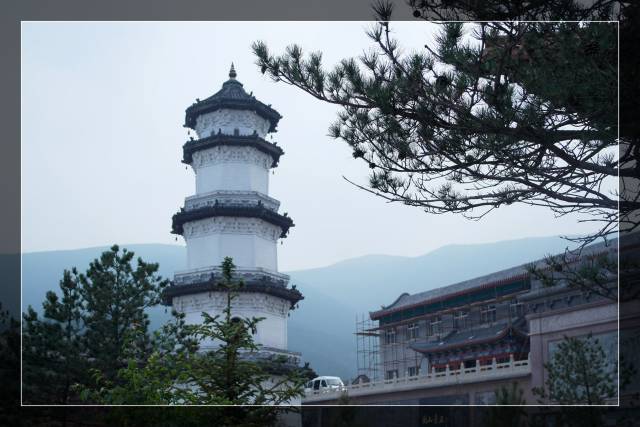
460,343
232,215
460,326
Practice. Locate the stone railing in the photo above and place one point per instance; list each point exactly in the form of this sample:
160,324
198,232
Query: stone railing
479,373
230,198
203,274
290,357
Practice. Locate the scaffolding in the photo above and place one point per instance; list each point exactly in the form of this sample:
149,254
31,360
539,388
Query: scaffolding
381,357
367,347
377,356
397,358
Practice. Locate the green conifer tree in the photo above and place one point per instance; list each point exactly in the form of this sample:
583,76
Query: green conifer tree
54,356
579,374
115,295
85,327
9,367
177,373
490,115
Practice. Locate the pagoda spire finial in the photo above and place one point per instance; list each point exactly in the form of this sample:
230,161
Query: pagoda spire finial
232,72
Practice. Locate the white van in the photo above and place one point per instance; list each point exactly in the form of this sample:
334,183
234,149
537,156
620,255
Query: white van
323,385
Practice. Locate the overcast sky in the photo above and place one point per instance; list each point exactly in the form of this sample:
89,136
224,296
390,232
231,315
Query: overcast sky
102,113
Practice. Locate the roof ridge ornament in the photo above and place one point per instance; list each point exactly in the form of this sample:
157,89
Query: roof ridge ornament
232,72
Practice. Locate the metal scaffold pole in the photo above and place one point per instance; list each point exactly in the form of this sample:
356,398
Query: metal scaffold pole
367,347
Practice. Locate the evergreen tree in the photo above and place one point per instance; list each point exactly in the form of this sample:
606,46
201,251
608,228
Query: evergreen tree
9,367
493,114
595,274
176,373
578,374
627,13
515,10
54,357
85,328
115,296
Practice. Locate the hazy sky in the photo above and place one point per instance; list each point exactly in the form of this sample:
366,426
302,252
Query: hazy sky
102,113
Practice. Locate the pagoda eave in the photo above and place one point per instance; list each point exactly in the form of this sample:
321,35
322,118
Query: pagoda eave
260,286
259,212
254,141
211,105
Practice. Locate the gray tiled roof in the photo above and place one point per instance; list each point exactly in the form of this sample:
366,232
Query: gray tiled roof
406,299
464,337
231,89
232,95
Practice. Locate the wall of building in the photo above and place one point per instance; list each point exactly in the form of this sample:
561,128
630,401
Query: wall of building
549,328
548,313
398,356
481,393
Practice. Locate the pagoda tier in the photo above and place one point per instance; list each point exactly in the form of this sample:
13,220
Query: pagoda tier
231,162
228,107
248,232
262,295
254,281
251,210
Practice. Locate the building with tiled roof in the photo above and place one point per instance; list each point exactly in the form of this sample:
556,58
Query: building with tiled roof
459,344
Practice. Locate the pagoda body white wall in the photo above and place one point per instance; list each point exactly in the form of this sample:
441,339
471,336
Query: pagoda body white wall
229,121
251,242
231,168
270,332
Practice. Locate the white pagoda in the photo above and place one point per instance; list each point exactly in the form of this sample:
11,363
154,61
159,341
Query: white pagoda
231,214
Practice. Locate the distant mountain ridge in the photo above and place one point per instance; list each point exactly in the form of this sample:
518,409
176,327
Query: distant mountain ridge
324,325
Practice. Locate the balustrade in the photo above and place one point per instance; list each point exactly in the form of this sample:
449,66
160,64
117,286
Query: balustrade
478,373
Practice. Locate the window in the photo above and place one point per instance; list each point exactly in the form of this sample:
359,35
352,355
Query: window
334,382
414,371
316,385
488,314
413,331
390,336
460,319
390,375
516,308
436,325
